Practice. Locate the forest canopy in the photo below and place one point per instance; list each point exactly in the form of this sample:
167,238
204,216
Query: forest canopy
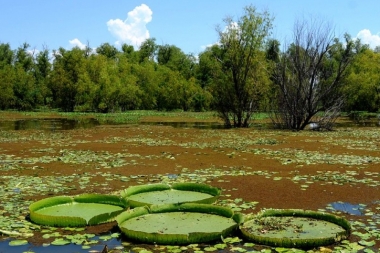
247,71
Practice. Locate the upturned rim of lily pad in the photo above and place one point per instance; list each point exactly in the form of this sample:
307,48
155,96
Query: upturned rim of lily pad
105,207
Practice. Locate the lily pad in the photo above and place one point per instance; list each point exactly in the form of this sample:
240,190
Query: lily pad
178,224
81,210
156,194
295,229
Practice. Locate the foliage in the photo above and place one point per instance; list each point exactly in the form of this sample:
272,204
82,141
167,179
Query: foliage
296,228
239,66
151,194
362,88
312,80
81,210
177,224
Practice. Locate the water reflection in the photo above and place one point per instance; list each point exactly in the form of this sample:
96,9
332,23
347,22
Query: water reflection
55,124
199,125
48,124
347,208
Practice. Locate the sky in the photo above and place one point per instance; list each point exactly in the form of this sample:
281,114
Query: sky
187,24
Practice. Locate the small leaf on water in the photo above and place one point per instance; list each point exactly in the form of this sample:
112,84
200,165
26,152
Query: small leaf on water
238,249
220,246
18,242
105,237
367,243
60,242
115,235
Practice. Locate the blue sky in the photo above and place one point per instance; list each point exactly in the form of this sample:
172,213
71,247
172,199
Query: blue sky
187,24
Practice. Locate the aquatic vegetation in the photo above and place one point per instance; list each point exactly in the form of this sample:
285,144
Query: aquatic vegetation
178,224
154,194
76,211
295,228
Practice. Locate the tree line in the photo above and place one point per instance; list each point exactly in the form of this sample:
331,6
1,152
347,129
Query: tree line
310,79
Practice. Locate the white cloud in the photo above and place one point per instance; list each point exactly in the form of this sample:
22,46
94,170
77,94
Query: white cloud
133,30
366,37
204,47
76,43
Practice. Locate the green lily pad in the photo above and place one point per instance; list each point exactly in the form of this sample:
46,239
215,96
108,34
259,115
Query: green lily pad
82,210
156,194
177,224
295,228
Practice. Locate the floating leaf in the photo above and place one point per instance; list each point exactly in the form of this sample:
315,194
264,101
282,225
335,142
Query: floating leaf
60,242
18,242
367,243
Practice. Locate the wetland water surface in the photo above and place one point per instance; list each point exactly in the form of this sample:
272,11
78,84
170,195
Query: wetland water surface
256,168
56,124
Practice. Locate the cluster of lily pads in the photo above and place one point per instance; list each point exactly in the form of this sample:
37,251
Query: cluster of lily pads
184,214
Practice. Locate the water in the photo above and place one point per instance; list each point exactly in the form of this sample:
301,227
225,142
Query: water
199,125
70,248
349,208
51,124
56,124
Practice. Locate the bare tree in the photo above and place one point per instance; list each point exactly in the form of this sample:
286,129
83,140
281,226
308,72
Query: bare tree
308,77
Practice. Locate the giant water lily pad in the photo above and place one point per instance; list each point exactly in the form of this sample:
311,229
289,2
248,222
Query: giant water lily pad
157,194
178,224
81,210
295,228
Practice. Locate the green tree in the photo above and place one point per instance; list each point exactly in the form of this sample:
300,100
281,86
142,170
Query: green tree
69,71
109,88
242,77
24,58
6,55
362,89
7,77
107,50
147,50
175,59
130,93
147,82
130,54
208,67
25,91
42,71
